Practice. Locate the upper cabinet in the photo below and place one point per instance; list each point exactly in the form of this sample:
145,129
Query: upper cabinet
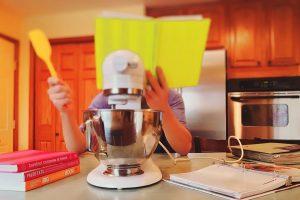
261,36
282,21
163,11
245,35
213,11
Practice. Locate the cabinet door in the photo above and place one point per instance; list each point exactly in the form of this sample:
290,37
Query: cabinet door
44,125
75,64
246,35
215,12
7,79
67,63
87,78
163,11
282,24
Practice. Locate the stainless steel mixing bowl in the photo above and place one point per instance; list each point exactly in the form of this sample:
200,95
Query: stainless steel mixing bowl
122,139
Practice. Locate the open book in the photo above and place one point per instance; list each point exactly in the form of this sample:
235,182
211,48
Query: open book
176,44
231,181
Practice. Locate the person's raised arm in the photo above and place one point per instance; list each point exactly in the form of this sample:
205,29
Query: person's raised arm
157,96
60,95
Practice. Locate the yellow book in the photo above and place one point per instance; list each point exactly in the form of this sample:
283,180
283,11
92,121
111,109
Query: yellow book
176,45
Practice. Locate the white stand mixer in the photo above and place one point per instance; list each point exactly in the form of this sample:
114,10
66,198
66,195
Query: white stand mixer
151,175
125,136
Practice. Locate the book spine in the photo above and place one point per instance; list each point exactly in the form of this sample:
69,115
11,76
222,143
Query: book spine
43,162
49,169
50,178
254,155
18,154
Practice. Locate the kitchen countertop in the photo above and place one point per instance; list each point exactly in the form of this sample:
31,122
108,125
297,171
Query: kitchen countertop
76,187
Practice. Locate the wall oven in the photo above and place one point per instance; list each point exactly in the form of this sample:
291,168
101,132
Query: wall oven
266,108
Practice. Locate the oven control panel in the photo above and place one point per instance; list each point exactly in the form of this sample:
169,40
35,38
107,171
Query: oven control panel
264,84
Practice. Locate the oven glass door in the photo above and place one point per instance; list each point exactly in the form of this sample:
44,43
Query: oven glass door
276,115
272,116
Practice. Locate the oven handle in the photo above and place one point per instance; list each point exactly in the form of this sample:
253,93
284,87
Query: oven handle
245,98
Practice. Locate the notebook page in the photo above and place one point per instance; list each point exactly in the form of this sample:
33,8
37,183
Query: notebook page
230,181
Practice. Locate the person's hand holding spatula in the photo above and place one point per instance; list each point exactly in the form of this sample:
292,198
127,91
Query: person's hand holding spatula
59,92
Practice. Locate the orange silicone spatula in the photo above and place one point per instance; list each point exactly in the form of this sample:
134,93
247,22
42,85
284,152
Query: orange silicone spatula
42,48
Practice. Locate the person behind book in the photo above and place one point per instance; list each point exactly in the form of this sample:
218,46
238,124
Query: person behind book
157,96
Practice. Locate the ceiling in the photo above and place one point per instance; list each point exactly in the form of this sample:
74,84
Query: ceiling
39,7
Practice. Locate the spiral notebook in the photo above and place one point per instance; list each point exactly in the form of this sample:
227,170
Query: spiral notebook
229,181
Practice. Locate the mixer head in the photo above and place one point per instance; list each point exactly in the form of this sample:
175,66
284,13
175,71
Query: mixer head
123,79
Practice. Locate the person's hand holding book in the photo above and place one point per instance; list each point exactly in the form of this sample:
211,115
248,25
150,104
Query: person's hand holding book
157,92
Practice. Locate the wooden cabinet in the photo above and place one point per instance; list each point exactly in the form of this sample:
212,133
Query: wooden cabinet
263,39
67,63
261,36
164,11
282,21
213,11
44,121
87,78
245,35
75,65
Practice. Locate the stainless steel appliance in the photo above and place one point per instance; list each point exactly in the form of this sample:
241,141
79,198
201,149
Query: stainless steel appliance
265,108
123,137
205,104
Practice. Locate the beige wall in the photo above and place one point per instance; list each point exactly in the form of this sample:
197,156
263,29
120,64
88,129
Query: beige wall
70,24
10,22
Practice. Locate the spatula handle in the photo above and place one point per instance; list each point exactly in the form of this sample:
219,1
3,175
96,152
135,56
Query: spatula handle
51,68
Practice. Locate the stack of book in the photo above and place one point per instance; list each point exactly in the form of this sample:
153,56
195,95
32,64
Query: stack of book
30,169
276,153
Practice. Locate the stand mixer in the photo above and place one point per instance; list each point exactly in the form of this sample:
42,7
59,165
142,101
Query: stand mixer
124,137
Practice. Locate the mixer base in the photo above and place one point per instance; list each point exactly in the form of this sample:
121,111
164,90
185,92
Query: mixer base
151,175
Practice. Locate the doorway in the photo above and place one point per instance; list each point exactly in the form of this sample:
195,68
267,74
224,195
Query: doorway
74,61
9,48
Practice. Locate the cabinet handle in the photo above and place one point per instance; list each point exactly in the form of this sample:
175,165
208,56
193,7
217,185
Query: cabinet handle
258,63
56,134
270,63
